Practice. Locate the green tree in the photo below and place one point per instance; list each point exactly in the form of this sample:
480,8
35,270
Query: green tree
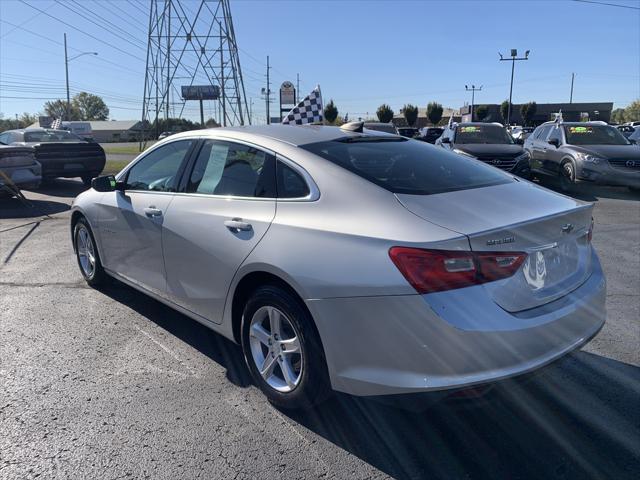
27,119
504,110
481,112
617,115
384,113
632,112
434,112
58,109
330,112
528,111
91,107
410,113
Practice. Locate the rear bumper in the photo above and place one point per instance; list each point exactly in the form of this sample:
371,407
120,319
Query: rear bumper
413,343
27,176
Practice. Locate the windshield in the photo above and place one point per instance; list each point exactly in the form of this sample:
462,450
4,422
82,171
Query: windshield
482,134
594,135
408,166
50,136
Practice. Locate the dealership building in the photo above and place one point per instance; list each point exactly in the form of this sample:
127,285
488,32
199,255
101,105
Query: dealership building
571,112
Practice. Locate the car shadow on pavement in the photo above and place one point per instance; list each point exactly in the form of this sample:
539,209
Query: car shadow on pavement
590,192
11,207
216,347
61,187
578,418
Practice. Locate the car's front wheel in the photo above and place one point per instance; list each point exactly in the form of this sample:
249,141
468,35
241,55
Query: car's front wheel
567,176
87,254
282,349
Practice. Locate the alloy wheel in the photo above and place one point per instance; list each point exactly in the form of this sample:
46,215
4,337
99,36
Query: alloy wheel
86,251
276,349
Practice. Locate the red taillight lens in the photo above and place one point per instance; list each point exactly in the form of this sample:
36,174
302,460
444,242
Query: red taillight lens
437,270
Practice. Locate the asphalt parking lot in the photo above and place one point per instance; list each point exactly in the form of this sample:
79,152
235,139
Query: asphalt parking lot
111,384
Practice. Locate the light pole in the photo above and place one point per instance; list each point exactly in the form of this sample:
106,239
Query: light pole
513,59
66,69
473,91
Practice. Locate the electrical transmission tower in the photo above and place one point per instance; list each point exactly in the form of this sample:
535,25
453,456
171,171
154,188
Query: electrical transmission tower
190,46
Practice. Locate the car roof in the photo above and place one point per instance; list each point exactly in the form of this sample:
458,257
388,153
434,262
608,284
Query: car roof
464,124
34,129
292,134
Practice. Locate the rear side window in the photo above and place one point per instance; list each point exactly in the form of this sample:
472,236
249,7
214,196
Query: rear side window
290,183
227,168
408,166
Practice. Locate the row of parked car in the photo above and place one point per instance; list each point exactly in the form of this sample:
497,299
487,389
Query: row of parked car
573,151
31,156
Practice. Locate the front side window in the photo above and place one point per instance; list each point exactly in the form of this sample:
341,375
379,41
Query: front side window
227,168
594,135
544,131
489,134
158,170
556,134
406,166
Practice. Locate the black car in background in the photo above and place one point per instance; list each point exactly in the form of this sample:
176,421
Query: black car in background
488,142
408,132
60,153
584,151
430,134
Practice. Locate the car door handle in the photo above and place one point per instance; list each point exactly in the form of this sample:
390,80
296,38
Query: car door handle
152,212
236,224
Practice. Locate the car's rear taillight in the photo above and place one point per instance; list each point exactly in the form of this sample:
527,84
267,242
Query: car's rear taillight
437,270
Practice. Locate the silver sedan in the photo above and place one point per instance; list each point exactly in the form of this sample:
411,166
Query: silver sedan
348,260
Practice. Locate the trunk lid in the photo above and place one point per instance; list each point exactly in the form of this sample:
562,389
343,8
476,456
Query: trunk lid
518,217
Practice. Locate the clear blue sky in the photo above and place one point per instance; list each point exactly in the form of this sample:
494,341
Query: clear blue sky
362,53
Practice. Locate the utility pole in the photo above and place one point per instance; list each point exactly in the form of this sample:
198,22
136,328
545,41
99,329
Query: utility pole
473,91
571,95
513,59
297,95
250,110
17,122
268,95
66,70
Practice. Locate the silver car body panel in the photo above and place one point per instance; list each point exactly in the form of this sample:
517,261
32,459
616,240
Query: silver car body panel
331,247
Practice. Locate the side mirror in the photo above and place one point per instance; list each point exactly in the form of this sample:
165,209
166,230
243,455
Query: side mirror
446,140
105,183
554,141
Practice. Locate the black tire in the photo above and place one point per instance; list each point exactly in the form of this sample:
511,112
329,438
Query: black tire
97,276
635,190
313,386
567,176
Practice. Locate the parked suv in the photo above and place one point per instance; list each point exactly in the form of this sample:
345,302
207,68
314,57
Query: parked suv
590,151
488,142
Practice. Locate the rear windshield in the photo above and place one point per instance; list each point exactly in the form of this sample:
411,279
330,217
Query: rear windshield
51,136
408,166
482,134
594,135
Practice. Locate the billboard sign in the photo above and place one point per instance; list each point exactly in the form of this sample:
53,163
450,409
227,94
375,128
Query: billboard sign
287,94
200,92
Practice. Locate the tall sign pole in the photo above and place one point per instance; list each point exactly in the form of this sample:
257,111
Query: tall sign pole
473,91
514,58
571,95
268,95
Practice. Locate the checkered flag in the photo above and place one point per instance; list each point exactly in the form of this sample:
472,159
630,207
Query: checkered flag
56,124
308,110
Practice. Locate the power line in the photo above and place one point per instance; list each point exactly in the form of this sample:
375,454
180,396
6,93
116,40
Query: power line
607,4
82,31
